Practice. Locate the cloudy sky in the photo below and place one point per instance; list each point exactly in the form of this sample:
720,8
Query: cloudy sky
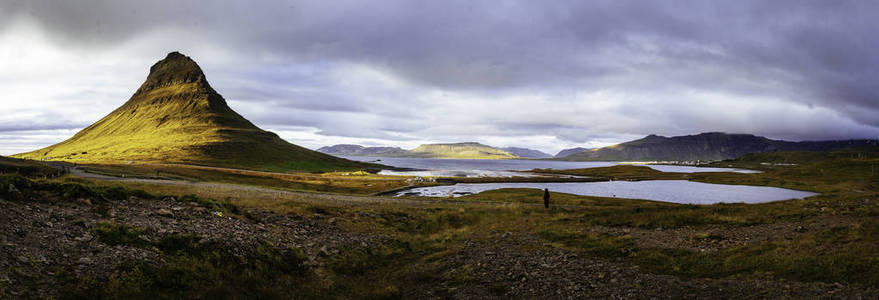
541,74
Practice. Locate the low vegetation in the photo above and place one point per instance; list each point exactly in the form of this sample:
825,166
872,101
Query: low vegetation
829,238
26,168
19,188
192,268
846,178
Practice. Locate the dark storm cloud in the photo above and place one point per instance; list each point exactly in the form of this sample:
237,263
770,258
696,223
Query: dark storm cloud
816,54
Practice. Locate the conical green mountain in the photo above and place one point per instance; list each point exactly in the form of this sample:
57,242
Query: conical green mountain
175,116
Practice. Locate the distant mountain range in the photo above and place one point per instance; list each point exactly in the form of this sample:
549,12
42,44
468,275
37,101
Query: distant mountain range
705,146
710,146
468,150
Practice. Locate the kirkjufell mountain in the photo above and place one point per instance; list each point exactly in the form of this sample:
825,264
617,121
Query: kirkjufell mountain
176,116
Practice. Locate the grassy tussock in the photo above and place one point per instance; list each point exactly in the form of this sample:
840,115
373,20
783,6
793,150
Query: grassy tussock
214,205
16,187
117,234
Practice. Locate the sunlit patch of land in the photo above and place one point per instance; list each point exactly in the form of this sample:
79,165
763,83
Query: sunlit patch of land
461,151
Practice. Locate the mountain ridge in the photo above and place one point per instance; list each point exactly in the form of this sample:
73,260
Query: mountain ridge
708,146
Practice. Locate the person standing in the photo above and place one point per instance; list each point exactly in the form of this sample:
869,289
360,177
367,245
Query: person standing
546,198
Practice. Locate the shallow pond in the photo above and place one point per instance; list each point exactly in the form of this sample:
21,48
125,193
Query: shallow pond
677,191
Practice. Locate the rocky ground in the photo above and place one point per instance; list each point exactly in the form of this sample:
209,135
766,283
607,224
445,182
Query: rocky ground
715,237
39,241
509,267
43,240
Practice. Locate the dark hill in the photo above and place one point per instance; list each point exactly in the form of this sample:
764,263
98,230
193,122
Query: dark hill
705,146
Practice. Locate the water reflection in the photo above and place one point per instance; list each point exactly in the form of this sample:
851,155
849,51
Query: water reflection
677,191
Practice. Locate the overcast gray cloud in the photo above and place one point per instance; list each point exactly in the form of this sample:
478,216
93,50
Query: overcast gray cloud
546,75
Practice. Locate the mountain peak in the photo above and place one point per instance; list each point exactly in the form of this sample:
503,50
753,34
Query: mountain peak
174,69
175,54
175,116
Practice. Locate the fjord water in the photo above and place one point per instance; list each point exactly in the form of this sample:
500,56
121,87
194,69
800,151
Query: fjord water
676,191
503,167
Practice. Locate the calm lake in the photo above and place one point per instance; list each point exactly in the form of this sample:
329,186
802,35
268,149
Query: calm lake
503,167
677,191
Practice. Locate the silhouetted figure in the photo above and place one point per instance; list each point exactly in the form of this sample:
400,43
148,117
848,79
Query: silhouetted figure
546,198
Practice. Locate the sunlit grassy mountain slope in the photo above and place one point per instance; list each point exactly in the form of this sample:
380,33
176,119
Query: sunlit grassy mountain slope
461,151
175,116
